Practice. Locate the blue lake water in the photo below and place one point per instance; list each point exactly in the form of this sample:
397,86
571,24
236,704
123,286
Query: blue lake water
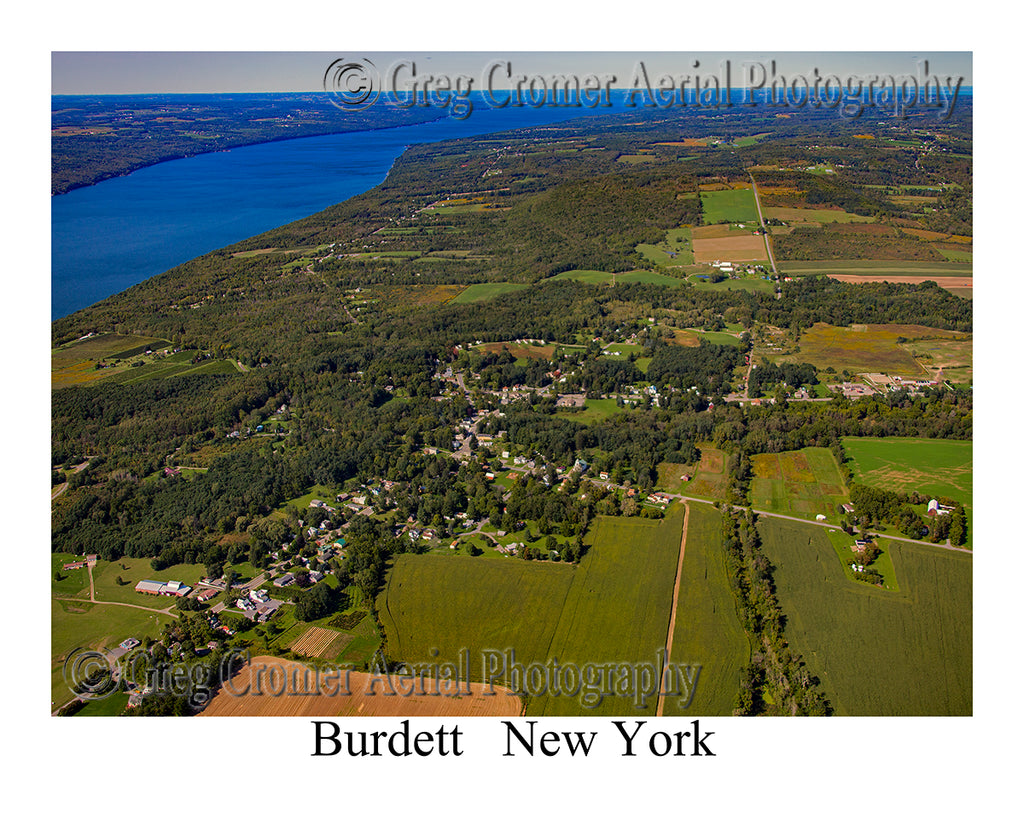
109,236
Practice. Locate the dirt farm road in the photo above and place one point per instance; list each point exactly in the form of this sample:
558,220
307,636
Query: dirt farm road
675,604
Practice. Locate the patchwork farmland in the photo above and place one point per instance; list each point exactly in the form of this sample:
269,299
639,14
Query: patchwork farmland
803,484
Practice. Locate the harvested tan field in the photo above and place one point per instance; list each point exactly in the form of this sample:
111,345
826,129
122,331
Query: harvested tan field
950,283
714,232
742,248
273,687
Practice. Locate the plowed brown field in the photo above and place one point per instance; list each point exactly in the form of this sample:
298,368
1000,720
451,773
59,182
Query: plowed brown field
272,687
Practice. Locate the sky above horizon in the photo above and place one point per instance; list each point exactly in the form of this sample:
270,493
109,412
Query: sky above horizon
138,72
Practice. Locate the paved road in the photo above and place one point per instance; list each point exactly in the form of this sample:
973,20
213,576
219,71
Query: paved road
824,523
60,489
767,241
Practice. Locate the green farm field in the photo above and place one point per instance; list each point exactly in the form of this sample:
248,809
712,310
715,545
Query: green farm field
613,606
451,603
586,276
803,483
708,631
930,466
752,283
877,652
736,205
618,606
486,291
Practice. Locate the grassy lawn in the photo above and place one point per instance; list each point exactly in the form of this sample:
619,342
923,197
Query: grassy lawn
877,652
86,625
720,338
804,483
586,276
648,277
318,492
73,581
110,706
624,349
707,630
751,283
882,564
131,570
595,410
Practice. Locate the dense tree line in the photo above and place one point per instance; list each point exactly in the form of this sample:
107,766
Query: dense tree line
776,681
